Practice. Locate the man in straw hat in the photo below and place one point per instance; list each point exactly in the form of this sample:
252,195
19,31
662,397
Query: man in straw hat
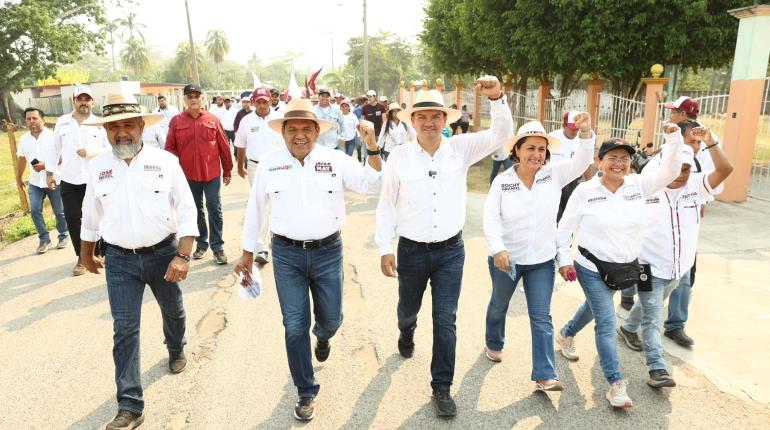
303,184
423,201
137,199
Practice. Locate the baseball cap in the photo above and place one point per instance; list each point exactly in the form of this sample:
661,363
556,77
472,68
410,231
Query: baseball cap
383,98
371,93
615,143
82,89
684,104
345,101
191,88
569,119
260,93
246,95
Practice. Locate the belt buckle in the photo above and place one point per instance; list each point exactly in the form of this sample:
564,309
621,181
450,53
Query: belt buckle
306,244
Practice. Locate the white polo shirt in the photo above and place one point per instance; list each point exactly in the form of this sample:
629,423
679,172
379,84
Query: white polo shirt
567,149
522,221
423,196
611,225
351,126
228,117
671,238
307,202
36,148
257,137
69,136
137,205
168,113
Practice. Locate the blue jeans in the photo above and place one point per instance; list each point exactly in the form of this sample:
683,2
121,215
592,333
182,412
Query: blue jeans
538,287
647,313
506,164
444,269
214,208
298,271
628,292
127,274
350,145
598,306
36,196
678,304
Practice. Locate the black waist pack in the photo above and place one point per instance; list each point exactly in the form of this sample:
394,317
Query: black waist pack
617,276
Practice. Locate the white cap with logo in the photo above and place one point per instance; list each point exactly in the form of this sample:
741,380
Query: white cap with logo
82,89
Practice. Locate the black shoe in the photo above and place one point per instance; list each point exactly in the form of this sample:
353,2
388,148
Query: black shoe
125,420
626,302
176,361
661,378
198,254
261,257
443,404
220,257
322,350
304,410
406,344
631,339
679,336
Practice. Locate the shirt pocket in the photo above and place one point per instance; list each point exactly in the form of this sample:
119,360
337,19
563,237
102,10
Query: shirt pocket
414,187
156,201
276,191
104,194
209,133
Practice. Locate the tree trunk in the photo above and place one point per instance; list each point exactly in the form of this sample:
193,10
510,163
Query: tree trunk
9,109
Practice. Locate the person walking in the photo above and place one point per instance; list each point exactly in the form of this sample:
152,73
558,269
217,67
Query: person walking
351,135
326,111
394,132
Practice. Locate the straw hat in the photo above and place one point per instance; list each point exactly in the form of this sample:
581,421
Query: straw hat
532,128
118,107
394,106
299,109
429,100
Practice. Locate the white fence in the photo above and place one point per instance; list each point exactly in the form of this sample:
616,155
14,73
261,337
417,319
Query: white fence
555,108
620,117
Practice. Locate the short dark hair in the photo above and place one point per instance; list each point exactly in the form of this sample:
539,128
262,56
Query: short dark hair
161,98
34,109
687,125
518,144
274,92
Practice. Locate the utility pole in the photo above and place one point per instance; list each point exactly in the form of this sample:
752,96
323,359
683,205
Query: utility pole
192,46
366,53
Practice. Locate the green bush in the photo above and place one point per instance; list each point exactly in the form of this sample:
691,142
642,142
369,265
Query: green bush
20,228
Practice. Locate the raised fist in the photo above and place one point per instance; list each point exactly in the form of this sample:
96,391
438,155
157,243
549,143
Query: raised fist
583,121
670,128
489,86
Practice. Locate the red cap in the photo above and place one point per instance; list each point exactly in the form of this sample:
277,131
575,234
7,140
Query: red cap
684,104
260,94
569,119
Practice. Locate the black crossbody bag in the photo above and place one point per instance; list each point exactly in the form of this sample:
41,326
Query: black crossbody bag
617,276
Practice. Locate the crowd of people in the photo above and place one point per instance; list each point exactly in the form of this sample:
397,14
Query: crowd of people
138,194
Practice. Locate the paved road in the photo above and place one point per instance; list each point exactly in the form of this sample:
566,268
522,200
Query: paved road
56,367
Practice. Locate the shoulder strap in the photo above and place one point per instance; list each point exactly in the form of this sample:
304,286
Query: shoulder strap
587,254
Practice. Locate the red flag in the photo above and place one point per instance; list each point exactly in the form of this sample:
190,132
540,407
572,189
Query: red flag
311,81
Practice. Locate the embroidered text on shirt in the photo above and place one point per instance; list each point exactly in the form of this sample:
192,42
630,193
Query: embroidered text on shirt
107,174
284,167
510,187
597,199
635,196
151,168
323,167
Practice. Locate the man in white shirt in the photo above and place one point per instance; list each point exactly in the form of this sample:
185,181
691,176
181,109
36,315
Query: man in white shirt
33,147
73,146
168,112
324,110
567,134
423,202
276,104
227,118
217,106
303,184
138,201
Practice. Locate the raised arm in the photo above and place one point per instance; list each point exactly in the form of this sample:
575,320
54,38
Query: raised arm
670,164
722,166
569,170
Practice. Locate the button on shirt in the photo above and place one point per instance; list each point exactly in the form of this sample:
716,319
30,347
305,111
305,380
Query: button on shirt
201,144
69,136
671,238
522,221
330,139
307,202
257,137
32,148
567,149
423,196
611,225
139,204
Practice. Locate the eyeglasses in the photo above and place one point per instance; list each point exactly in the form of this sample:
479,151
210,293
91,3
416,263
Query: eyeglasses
623,160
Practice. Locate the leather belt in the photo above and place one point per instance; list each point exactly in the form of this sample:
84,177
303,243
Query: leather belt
253,161
308,244
432,246
147,249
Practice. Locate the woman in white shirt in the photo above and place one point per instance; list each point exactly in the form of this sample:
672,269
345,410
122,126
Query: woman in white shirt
520,227
350,134
394,132
607,216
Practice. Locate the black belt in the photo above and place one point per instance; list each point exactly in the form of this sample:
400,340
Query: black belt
309,244
432,246
253,161
147,249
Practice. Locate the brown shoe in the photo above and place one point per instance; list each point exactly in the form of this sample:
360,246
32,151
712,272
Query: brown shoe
176,361
79,269
125,420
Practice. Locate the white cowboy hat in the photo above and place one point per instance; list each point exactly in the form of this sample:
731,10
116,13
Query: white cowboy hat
394,106
299,109
532,128
429,100
124,106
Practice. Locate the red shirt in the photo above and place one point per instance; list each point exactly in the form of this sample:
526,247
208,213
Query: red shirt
199,143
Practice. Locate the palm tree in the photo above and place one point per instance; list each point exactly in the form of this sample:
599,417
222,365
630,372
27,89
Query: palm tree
183,61
135,57
217,47
130,24
110,28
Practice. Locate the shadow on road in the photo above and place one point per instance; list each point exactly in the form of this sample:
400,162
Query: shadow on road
365,409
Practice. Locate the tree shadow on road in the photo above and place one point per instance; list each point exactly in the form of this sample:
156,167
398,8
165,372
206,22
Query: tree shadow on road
365,409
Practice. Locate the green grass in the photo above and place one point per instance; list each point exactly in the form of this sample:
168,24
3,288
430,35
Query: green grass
9,197
22,227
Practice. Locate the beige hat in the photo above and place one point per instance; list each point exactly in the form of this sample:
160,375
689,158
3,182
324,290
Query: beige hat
124,106
394,106
299,109
429,100
532,128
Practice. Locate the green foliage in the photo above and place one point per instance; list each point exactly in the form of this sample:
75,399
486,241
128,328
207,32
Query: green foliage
135,58
182,69
22,227
217,45
693,82
130,24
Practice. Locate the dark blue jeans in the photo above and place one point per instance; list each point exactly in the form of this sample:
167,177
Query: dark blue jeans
127,274
350,145
214,208
36,197
538,287
444,269
299,271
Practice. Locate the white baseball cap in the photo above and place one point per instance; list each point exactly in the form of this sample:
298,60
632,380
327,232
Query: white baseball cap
371,93
82,89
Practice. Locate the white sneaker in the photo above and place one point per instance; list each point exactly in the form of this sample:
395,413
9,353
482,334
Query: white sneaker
617,395
567,344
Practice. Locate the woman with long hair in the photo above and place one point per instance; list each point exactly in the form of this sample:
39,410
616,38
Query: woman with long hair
394,132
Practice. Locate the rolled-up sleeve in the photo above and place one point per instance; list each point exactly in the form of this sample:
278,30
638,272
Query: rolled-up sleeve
183,204
251,240
92,214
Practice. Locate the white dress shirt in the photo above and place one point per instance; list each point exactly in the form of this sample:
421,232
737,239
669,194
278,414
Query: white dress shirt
168,113
257,137
671,239
567,149
307,202
423,196
611,225
217,111
69,136
522,221
279,107
139,204
32,148
227,117
398,134
351,126
155,136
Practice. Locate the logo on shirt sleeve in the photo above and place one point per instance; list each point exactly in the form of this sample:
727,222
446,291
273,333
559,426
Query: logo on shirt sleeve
323,167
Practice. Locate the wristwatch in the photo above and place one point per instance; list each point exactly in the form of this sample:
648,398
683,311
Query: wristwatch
182,256
370,152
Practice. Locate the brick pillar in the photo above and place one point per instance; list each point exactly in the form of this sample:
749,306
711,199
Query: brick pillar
653,94
411,94
459,93
476,110
544,92
593,91
401,92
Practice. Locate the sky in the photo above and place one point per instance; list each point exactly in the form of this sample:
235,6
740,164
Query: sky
271,28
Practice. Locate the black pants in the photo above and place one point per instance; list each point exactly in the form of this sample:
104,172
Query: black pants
565,193
464,127
72,198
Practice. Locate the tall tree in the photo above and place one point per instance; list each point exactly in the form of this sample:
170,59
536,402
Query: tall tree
134,56
391,60
37,36
217,47
132,25
182,68
110,29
